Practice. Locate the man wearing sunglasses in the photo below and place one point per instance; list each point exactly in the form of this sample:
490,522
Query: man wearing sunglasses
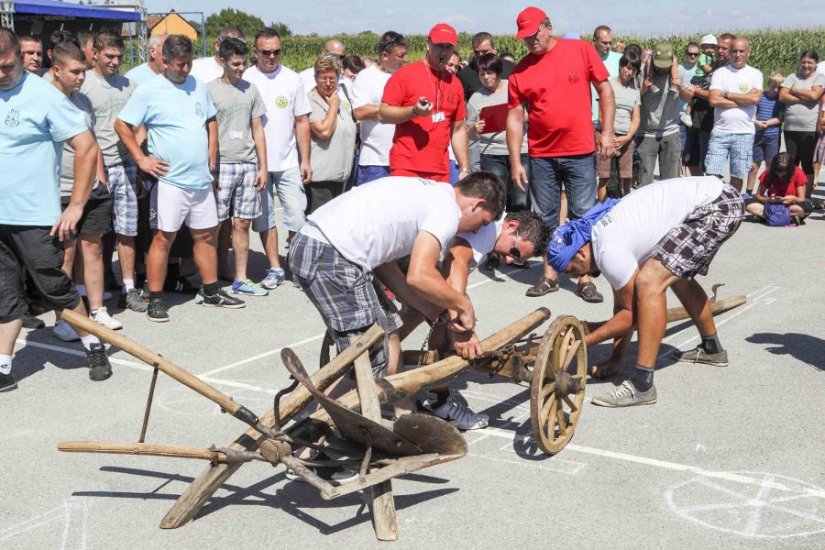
333,48
207,69
286,125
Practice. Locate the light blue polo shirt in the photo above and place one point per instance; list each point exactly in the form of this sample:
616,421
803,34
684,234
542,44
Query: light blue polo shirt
611,63
35,120
175,117
140,74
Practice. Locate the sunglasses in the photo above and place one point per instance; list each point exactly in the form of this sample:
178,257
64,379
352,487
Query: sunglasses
514,251
270,53
692,54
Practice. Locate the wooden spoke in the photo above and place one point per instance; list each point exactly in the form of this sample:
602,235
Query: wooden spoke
547,391
570,403
550,430
561,420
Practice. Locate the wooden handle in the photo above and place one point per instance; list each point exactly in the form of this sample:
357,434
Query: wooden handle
152,359
110,447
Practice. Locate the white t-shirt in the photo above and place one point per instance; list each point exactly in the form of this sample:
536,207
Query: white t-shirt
821,68
482,241
376,223
624,238
285,99
206,69
738,120
376,138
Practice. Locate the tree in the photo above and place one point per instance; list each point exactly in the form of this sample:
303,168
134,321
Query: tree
282,28
249,24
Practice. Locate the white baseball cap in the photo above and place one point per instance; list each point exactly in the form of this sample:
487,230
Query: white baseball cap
709,39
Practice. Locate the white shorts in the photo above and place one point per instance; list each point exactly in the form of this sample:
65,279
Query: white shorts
172,206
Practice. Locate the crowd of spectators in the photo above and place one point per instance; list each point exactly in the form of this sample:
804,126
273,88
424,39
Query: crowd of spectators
190,153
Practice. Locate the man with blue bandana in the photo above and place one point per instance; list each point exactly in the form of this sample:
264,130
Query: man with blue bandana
656,238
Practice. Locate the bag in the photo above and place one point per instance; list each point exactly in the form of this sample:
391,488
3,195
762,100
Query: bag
777,215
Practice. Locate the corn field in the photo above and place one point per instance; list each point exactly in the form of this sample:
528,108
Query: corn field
771,50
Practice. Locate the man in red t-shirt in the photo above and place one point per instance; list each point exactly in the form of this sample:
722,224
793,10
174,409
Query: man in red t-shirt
553,83
426,103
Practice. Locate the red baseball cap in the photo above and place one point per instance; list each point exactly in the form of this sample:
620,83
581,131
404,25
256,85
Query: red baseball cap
528,21
442,33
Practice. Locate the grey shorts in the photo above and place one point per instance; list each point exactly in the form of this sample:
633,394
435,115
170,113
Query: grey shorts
344,293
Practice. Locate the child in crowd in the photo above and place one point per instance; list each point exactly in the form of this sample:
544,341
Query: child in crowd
769,116
703,72
784,183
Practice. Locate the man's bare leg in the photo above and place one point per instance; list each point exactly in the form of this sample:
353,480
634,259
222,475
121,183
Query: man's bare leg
269,240
157,258
651,309
205,253
240,244
92,269
225,237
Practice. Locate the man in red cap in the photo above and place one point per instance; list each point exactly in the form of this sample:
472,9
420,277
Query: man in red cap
553,82
426,103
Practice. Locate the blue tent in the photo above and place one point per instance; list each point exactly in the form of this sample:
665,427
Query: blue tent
53,8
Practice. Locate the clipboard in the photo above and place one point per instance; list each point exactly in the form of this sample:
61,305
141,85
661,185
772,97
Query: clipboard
494,117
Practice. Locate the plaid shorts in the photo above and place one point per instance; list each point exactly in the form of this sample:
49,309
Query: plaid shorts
687,249
123,187
237,196
344,293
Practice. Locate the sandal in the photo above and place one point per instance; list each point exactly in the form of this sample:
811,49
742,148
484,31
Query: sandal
589,293
545,285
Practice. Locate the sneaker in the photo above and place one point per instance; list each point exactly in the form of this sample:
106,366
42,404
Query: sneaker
699,355
156,311
249,288
221,299
132,300
102,317
64,331
99,367
180,285
686,120
110,282
460,415
7,382
589,293
625,395
274,278
32,322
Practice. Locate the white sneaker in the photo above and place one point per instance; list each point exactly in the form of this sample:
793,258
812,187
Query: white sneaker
102,317
460,415
64,331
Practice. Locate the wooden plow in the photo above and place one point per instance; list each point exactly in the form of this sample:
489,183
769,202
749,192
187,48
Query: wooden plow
349,431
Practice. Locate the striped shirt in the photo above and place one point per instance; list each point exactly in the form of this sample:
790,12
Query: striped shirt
768,108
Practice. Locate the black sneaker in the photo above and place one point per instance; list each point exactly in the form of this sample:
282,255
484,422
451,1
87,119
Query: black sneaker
180,284
7,382
99,367
32,322
132,300
157,311
110,282
221,299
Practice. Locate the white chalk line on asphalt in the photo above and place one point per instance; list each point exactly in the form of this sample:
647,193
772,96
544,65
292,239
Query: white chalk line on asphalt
673,466
497,280
754,299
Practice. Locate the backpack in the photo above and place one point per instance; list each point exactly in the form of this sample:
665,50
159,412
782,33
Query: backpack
777,215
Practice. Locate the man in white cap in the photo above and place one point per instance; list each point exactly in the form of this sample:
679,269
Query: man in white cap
426,103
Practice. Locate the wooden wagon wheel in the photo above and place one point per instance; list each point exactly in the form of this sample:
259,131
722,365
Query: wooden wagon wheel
557,388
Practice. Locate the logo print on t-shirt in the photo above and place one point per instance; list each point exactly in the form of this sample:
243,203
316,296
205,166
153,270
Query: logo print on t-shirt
13,118
281,102
573,77
199,109
743,88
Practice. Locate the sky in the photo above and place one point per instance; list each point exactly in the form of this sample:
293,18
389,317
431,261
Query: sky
626,17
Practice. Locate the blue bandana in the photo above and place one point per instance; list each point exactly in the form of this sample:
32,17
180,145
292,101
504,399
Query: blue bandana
570,237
